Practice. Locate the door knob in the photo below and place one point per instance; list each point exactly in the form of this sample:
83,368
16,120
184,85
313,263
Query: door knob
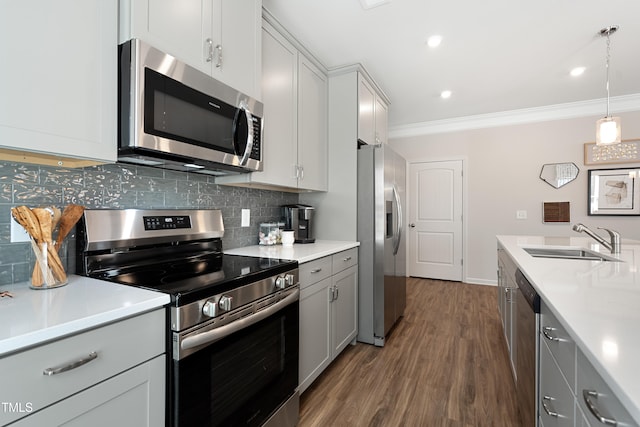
412,225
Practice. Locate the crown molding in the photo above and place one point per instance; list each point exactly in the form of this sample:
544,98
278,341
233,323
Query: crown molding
570,110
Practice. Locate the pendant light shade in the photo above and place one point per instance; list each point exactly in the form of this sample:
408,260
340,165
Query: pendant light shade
608,129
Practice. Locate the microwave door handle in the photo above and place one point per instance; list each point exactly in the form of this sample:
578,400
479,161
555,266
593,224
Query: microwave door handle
249,145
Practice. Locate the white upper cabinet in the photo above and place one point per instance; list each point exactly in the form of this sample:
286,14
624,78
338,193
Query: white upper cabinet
59,81
372,114
295,120
366,111
280,91
219,37
312,126
382,119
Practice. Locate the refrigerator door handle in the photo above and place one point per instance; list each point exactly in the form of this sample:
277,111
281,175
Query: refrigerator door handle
396,196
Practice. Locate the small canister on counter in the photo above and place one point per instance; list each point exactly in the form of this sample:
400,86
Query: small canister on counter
269,233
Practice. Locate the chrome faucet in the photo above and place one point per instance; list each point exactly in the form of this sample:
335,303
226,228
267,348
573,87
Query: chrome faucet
613,246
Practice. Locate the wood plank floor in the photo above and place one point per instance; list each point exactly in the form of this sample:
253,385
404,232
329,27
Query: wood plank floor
444,364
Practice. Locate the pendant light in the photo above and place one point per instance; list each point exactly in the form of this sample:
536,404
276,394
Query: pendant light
608,129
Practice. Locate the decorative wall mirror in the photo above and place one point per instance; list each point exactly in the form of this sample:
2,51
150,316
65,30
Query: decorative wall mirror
559,174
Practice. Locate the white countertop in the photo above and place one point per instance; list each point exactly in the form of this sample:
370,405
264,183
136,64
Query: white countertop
598,303
33,317
301,252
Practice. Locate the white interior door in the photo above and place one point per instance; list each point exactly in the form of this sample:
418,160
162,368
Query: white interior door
435,220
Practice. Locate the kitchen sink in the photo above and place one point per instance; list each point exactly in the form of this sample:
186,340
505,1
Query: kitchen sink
572,253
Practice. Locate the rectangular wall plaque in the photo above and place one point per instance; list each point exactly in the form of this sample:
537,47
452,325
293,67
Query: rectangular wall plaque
556,212
626,152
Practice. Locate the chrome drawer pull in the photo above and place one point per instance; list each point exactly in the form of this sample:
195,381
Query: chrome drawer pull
317,270
588,395
347,259
53,371
547,335
548,408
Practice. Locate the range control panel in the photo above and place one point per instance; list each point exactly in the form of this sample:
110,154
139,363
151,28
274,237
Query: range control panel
166,222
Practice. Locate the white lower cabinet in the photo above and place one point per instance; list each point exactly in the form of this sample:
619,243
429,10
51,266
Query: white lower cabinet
556,397
328,311
507,303
315,332
134,398
571,392
112,375
597,401
344,313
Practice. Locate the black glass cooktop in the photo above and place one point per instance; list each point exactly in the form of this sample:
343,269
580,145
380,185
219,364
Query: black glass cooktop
196,277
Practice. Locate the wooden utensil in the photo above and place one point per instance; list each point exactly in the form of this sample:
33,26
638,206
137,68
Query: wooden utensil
70,216
56,214
45,220
24,220
36,275
28,220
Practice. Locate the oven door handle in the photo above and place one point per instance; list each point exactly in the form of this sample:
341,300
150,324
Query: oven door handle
226,330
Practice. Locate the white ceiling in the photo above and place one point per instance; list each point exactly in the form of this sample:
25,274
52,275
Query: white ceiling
496,55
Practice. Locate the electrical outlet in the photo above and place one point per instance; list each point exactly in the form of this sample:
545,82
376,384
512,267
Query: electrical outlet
246,218
521,214
18,234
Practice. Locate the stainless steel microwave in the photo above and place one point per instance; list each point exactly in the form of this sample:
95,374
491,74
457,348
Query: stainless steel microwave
176,117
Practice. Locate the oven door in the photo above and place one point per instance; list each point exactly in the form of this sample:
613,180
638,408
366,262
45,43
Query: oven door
241,379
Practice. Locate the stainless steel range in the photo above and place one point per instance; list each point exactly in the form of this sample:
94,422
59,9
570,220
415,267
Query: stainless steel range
232,322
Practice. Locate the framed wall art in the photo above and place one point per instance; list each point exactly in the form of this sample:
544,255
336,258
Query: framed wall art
628,151
614,192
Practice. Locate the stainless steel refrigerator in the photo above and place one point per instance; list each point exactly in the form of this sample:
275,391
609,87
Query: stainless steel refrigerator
382,257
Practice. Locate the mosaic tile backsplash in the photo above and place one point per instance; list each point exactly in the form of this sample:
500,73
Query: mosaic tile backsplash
120,186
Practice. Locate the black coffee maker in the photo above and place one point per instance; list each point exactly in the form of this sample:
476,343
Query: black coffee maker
299,218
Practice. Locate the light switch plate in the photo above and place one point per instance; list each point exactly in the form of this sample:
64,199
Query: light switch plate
18,234
521,214
246,218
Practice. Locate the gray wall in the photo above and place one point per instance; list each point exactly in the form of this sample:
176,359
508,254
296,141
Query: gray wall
502,175
122,186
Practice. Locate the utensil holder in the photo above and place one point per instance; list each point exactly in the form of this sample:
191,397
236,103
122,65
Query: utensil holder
51,271
287,238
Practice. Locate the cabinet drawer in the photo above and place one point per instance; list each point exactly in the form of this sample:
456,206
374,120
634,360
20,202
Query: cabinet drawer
556,398
345,259
118,346
592,387
560,343
133,398
313,271
315,330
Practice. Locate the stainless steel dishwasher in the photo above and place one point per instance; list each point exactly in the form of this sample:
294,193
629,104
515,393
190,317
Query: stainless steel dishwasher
527,324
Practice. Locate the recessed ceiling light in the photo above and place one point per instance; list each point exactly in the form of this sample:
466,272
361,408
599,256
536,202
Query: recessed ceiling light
445,94
578,71
369,4
434,41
